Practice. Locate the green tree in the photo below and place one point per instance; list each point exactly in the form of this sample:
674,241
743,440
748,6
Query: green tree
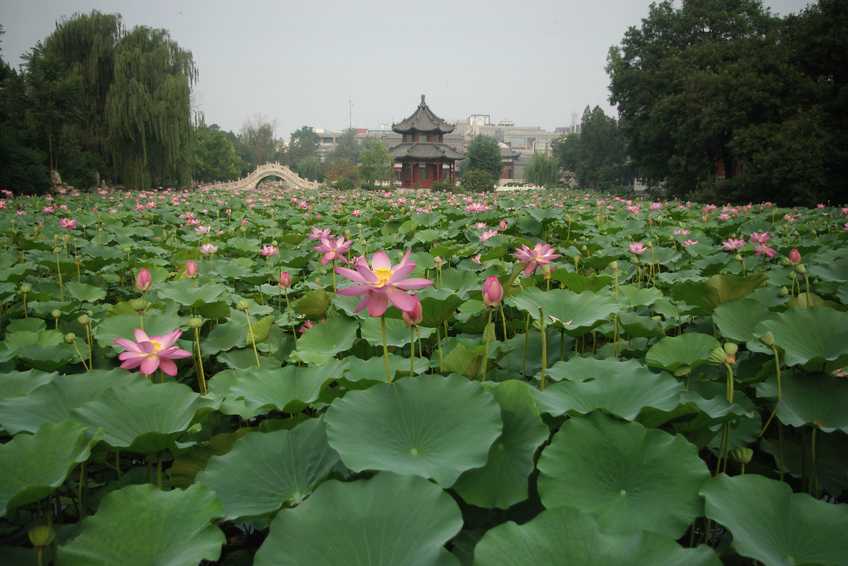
347,148
483,154
303,145
214,155
310,168
598,154
375,162
543,170
477,180
257,144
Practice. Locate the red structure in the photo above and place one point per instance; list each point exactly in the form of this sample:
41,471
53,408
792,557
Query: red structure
422,158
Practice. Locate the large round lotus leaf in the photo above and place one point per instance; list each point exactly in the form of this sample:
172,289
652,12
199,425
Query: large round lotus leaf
430,426
373,369
624,389
632,296
54,401
388,520
503,481
631,477
816,399
85,292
718,289
141,416
282,466
736,320
141,525
580,368
263,390
577,312
771,524
322,342
567,537
18,383
33,465
187,293
397,333
156,323
679,353
808,335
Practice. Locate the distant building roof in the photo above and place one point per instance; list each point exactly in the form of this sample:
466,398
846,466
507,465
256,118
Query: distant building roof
423,120
424,150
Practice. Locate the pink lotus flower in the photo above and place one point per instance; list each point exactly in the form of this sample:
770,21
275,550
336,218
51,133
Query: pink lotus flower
732,244
68,223
794,256
285,280
415,316
305,326
492,291
541,254
382,283
151,353
688,243
681,232
488,234
356,213
503,225
333,249
477,259
208,249
319,234
760,237
637,248
143,279
269,250
476,207
191,269
763,249
656,206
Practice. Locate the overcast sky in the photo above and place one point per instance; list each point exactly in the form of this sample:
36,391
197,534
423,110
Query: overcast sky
535,62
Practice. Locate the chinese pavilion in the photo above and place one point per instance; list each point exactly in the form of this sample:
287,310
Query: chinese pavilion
423,158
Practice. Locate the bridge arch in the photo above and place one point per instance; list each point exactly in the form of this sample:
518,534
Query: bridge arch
252,179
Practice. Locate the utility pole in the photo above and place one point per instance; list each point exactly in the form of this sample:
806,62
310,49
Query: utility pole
349,114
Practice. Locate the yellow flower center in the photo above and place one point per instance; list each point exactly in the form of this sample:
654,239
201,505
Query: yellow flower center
383,275
156,346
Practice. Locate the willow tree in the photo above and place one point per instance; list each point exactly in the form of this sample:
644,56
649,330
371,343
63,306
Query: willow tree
148,109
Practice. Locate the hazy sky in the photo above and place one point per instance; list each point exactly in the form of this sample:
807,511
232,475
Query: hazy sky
534,62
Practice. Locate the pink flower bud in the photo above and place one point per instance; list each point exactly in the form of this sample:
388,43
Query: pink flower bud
492,291
143,279
415,316
285,280
191,269
795,256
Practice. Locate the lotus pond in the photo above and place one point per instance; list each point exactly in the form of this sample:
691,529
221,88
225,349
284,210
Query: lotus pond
553,378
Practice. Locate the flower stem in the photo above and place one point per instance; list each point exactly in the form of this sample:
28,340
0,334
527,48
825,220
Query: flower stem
486,338
252,337
385,349
526,340
411,351
779,392
503,323
333,272
439,345
59,276
544,348
201,376
81,357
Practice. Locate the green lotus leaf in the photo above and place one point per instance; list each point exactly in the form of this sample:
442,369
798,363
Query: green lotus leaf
397,333
576,312
567,537
816,399
85,292
372,369
438,305
737,320
283,466
313,304
156,323
281,388
630,477
808,335
387,520
836,272
619,388
326,339
44,349
581,368
632,296
223,337
187,293
32,466
579,283
503,481
716,290
771,524
791,453
430,426
17,383
141,525
678,354
54,401
141,416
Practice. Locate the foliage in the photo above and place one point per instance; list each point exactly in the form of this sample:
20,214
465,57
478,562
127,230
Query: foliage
257,144
214,155
477,180
483,154
375,162
303,146
542,170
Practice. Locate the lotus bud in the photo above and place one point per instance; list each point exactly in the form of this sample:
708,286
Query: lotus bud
768,339
57,250
243,305
285,280
26,288
492,291
730,349
614,266
438,262
191,269
56,313
41,536
195,322
139,305
738,257
800,268
718,355
784,291
742,454
70,338
414,316
547,272
84,319
794,256
143,279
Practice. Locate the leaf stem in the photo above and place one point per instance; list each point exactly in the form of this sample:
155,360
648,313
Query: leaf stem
385,349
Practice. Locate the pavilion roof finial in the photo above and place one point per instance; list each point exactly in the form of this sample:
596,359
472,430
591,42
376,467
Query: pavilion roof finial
422,99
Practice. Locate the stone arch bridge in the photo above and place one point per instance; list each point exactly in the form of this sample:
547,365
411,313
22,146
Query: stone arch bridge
264,171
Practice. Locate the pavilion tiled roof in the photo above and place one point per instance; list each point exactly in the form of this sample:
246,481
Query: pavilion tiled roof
425,150
423,120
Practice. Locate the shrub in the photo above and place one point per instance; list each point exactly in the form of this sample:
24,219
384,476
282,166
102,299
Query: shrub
477,181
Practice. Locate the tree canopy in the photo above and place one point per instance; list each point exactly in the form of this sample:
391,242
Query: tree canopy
483,154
